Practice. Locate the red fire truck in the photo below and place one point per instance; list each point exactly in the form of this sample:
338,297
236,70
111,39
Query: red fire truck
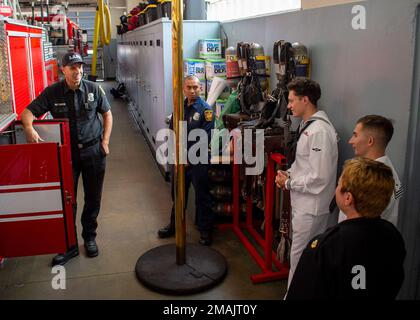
64,34
64,31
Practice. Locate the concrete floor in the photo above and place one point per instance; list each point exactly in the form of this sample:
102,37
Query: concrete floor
136,203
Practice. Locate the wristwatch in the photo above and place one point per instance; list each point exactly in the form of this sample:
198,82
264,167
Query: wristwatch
287,184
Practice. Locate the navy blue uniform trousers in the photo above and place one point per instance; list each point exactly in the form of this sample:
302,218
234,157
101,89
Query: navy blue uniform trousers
90,162
198,176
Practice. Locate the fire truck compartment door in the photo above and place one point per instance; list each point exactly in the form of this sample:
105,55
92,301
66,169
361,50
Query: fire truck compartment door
48,131
36,195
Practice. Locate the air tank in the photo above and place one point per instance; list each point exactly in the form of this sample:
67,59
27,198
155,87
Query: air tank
257,53
301,58
232,68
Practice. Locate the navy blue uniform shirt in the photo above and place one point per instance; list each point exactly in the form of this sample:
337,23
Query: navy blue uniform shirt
81,107
355,251
199,115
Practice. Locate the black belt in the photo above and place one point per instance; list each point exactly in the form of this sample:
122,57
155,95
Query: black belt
88,144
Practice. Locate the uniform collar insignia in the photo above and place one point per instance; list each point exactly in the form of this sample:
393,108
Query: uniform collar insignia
314,244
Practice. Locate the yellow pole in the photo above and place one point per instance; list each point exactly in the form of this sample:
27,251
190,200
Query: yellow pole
178,115
101,24
95,44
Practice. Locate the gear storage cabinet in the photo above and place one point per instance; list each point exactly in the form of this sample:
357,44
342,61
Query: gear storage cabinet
145,67
22,68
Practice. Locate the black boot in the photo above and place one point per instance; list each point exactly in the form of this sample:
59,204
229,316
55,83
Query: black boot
91,248
205,238
62,258
167,231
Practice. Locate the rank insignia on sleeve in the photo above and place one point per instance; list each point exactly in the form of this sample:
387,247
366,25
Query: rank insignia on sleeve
208,114
314,244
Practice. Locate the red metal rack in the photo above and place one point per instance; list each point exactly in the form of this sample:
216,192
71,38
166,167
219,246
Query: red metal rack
268,259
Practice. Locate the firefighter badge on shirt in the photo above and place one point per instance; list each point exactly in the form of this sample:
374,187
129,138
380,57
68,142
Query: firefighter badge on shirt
196,116
208,115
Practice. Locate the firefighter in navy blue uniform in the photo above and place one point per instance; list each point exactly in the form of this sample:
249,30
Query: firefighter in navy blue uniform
361,257
80,101
198,115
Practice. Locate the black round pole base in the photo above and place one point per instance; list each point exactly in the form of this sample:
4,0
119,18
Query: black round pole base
204,268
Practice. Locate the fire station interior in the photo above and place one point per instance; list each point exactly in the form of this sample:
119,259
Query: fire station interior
364,54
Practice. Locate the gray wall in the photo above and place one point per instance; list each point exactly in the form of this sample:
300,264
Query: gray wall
361,72
202,29
410,207
193,31
195,10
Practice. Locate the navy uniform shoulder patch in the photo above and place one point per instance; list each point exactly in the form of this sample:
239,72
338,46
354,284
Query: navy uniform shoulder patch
208,115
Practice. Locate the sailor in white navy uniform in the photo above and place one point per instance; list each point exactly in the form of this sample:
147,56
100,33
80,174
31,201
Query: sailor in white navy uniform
312,176
370,139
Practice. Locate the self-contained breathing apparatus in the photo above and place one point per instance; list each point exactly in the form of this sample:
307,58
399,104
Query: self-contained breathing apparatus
269,111
260,110
254,78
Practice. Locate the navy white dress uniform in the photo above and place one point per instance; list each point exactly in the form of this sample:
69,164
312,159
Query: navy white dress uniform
199,115
82,108
391,211
357,259
312,181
